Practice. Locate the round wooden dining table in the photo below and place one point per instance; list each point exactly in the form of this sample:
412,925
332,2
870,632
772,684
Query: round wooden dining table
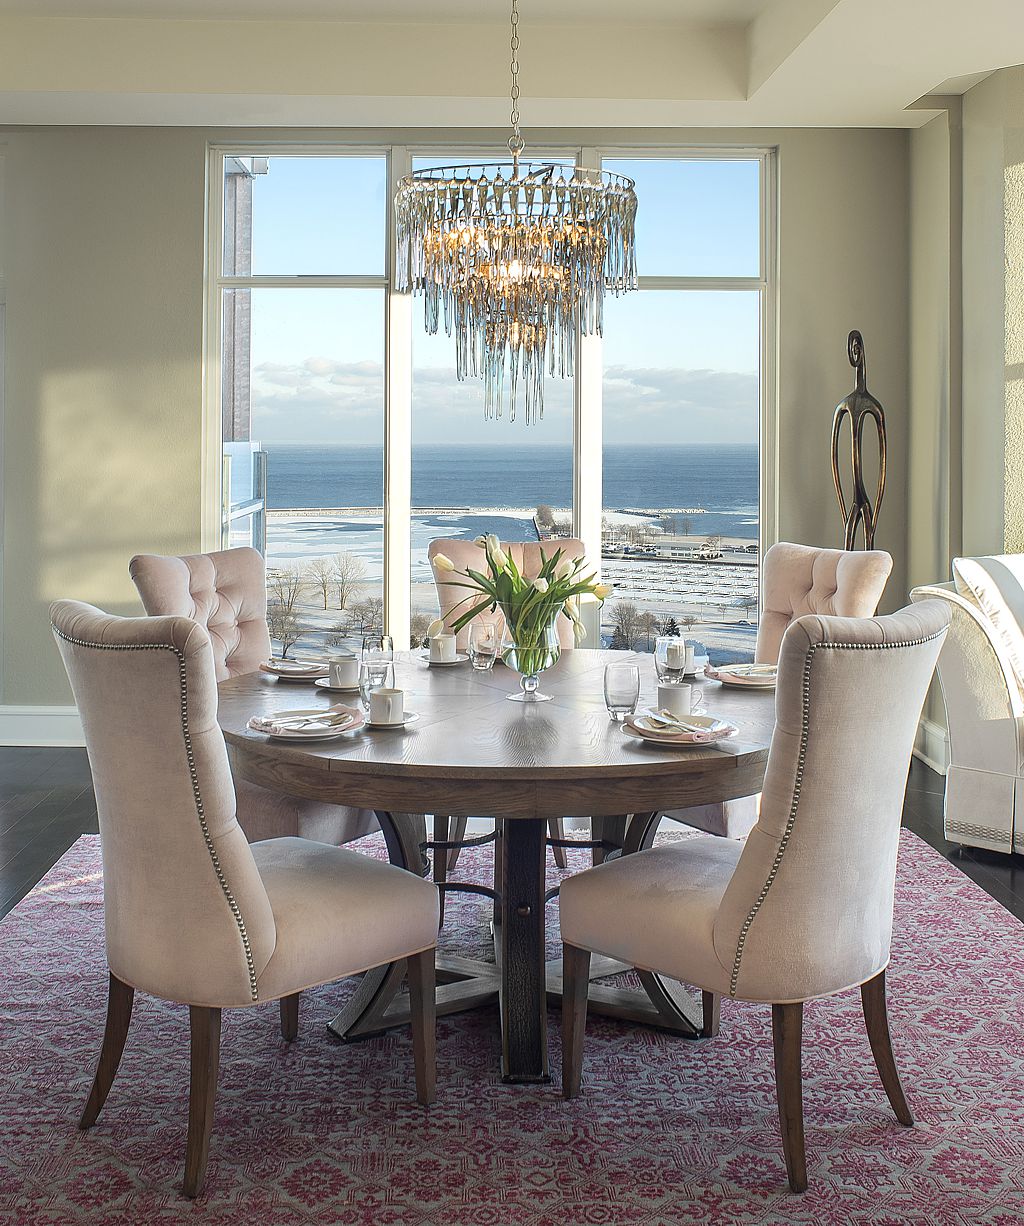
474,753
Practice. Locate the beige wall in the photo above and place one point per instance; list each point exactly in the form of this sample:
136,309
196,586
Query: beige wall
104,238
104,269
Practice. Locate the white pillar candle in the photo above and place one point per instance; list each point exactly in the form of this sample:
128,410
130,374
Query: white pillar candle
675,655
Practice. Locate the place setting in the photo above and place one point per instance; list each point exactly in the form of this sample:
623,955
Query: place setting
678,720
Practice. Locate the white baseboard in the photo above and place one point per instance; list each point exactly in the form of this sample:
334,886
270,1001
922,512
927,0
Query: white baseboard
40,726
932,745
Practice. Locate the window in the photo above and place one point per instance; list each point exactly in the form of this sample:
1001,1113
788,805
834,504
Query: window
681,412
302,388
346,444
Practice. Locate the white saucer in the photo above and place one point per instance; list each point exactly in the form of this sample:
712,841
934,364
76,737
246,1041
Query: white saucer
460,658
324,683
309,673
410,718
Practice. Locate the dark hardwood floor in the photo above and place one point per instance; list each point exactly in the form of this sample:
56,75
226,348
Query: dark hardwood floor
46,802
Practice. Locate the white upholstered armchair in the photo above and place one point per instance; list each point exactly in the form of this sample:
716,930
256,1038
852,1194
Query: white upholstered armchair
981,671
226,592
192,912
797,579
804,908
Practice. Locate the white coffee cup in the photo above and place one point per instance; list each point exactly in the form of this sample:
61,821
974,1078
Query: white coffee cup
387,706
442,649
676,698
689,662
344,672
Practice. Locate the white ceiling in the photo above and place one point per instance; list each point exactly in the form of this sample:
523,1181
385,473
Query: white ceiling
535,11
599,64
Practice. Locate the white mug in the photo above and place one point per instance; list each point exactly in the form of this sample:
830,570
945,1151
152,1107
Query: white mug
442,649
387,706
678,699
344,672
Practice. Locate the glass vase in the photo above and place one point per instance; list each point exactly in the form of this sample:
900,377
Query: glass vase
530,650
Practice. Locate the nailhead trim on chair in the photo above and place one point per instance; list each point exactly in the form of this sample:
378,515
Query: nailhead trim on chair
197,795
798,782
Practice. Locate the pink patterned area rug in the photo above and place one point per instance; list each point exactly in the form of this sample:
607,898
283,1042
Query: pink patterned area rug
668,1131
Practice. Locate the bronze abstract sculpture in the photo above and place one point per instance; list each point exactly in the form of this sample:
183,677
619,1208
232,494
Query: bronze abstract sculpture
859,406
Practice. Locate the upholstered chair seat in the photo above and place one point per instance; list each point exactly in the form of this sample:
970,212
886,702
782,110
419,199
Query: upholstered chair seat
226,592
193,913
796,580
804,908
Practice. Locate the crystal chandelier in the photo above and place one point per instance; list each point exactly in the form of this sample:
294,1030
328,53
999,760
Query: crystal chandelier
515,256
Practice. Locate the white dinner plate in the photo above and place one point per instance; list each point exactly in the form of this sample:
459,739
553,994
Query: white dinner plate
674,741
410,718
298,672
324,683
310,734
746,676
460,658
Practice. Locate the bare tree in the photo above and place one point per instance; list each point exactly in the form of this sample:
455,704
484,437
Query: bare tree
685,524
545,516
367,617
418,624
320,573
647,627
625,626
689,620
349,572
284,587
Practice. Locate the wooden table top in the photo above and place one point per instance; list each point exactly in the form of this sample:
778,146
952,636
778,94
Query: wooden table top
478,752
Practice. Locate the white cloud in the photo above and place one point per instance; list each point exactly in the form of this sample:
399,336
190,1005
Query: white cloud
324,399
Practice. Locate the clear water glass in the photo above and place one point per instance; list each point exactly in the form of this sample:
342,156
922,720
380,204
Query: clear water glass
378,648
483,644
621,690
670,659
375,674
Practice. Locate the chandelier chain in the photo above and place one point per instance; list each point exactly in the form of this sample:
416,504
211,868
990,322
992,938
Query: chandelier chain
515,141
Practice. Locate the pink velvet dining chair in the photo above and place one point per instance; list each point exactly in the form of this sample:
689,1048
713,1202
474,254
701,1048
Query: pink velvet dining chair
803,908
193,913
226,592
796,580
527,557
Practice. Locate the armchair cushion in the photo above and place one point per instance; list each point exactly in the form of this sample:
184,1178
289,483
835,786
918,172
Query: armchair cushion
387,913
995,585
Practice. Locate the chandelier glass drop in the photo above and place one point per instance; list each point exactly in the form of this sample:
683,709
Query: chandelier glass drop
515,257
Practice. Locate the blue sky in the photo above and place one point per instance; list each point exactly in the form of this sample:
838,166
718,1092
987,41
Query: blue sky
679,367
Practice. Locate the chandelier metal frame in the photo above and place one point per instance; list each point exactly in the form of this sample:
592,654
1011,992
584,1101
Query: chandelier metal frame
515,256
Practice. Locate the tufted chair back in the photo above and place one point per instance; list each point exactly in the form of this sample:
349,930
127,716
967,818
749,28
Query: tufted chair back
527,557
800,579
808,910
186,912
225,591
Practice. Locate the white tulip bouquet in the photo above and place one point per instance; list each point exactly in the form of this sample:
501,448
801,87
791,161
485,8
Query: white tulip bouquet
530,606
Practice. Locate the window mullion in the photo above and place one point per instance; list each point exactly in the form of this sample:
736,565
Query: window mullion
397,427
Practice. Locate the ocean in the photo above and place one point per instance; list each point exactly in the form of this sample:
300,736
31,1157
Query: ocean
722,480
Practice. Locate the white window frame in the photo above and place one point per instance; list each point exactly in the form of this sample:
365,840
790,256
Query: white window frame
398,325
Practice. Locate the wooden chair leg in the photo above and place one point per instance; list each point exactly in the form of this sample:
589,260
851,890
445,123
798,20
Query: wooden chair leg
575,986
556,830
499,859
442,860
290,1017
458,832
119,1015
876,1018
787,1030
423,1015
712,1006
202,1093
